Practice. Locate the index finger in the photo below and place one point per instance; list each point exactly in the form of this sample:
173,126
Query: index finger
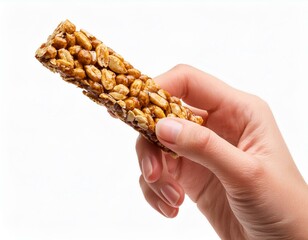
196,87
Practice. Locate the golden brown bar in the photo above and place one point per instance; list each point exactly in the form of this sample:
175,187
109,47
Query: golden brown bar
109,80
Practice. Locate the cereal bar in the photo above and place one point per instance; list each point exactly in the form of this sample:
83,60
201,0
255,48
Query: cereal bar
109,80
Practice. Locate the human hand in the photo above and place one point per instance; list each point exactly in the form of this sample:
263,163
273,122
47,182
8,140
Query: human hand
236,167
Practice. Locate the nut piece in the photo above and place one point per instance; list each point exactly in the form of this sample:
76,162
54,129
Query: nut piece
127,65
84,57
102,54
95,43
144,98
93,73
164,94
138,112
70,39
68,26
83,41
151,86
184,112
93,57
142,122
107,98
117,96
96,86
48,52
157,111
158,100
79,73
65,55
118,56
122,79
59,42
74,50
130,116
121,104
130,79
197,119
108,79
134,72
122,89
135,88
143,77
176,110
77,64
116,65
151,123
131,103
64,65
87,34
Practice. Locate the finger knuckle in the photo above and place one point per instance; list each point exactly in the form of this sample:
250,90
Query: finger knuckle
181,67
259,103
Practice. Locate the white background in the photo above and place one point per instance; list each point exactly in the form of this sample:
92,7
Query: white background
68,170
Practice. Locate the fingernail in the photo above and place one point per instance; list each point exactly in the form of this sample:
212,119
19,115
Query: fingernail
166,210
168,129
147,168
171,195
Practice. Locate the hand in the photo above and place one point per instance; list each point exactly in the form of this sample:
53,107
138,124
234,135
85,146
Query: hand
236,167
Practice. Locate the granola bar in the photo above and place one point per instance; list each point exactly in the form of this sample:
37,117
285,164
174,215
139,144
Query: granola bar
109,80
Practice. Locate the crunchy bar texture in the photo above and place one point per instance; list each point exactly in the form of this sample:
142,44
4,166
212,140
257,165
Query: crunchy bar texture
109,80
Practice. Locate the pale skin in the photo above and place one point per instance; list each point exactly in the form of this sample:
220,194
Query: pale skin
236,167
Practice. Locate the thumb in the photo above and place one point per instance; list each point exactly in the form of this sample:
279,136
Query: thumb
205,147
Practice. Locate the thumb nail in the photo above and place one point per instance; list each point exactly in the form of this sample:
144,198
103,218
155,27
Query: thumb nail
168,129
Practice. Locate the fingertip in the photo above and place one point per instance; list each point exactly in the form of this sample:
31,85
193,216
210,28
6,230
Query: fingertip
166,210
156,202
168,129
151,169
149,157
